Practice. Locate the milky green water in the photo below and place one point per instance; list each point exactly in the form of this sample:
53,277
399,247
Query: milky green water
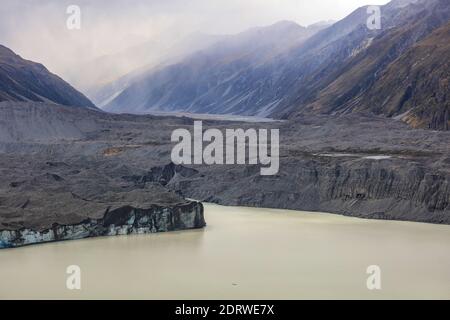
242,254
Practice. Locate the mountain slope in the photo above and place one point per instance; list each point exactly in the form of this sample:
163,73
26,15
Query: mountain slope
213,80
366,82
23,80
267,72
416,87
107,76
284,70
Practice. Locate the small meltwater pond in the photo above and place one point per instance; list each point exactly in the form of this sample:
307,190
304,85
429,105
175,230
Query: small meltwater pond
354,155
243,253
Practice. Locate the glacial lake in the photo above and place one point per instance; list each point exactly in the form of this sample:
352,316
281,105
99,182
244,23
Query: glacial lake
243,253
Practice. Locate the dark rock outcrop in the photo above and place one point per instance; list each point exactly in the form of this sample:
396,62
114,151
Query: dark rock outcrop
354,186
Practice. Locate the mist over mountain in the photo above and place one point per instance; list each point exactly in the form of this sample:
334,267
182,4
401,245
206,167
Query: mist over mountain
281,71
285,70
104,74
23,80
213,80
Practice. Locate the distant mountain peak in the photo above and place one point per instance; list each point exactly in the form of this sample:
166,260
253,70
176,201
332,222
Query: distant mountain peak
286,24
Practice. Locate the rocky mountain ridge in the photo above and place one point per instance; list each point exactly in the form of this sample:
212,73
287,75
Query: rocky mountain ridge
332,70
23,80
412,55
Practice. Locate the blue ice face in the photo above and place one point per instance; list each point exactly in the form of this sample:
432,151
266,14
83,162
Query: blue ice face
4,244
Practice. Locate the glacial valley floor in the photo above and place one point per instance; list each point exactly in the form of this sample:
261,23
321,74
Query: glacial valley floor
65,164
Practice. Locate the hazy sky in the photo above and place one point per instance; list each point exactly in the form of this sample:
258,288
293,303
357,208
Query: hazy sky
36,29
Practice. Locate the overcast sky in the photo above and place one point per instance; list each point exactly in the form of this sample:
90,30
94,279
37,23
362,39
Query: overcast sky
36,29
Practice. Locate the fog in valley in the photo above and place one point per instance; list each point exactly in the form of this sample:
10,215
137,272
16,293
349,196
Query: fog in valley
118,36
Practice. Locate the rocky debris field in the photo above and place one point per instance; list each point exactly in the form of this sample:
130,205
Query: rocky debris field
84,165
